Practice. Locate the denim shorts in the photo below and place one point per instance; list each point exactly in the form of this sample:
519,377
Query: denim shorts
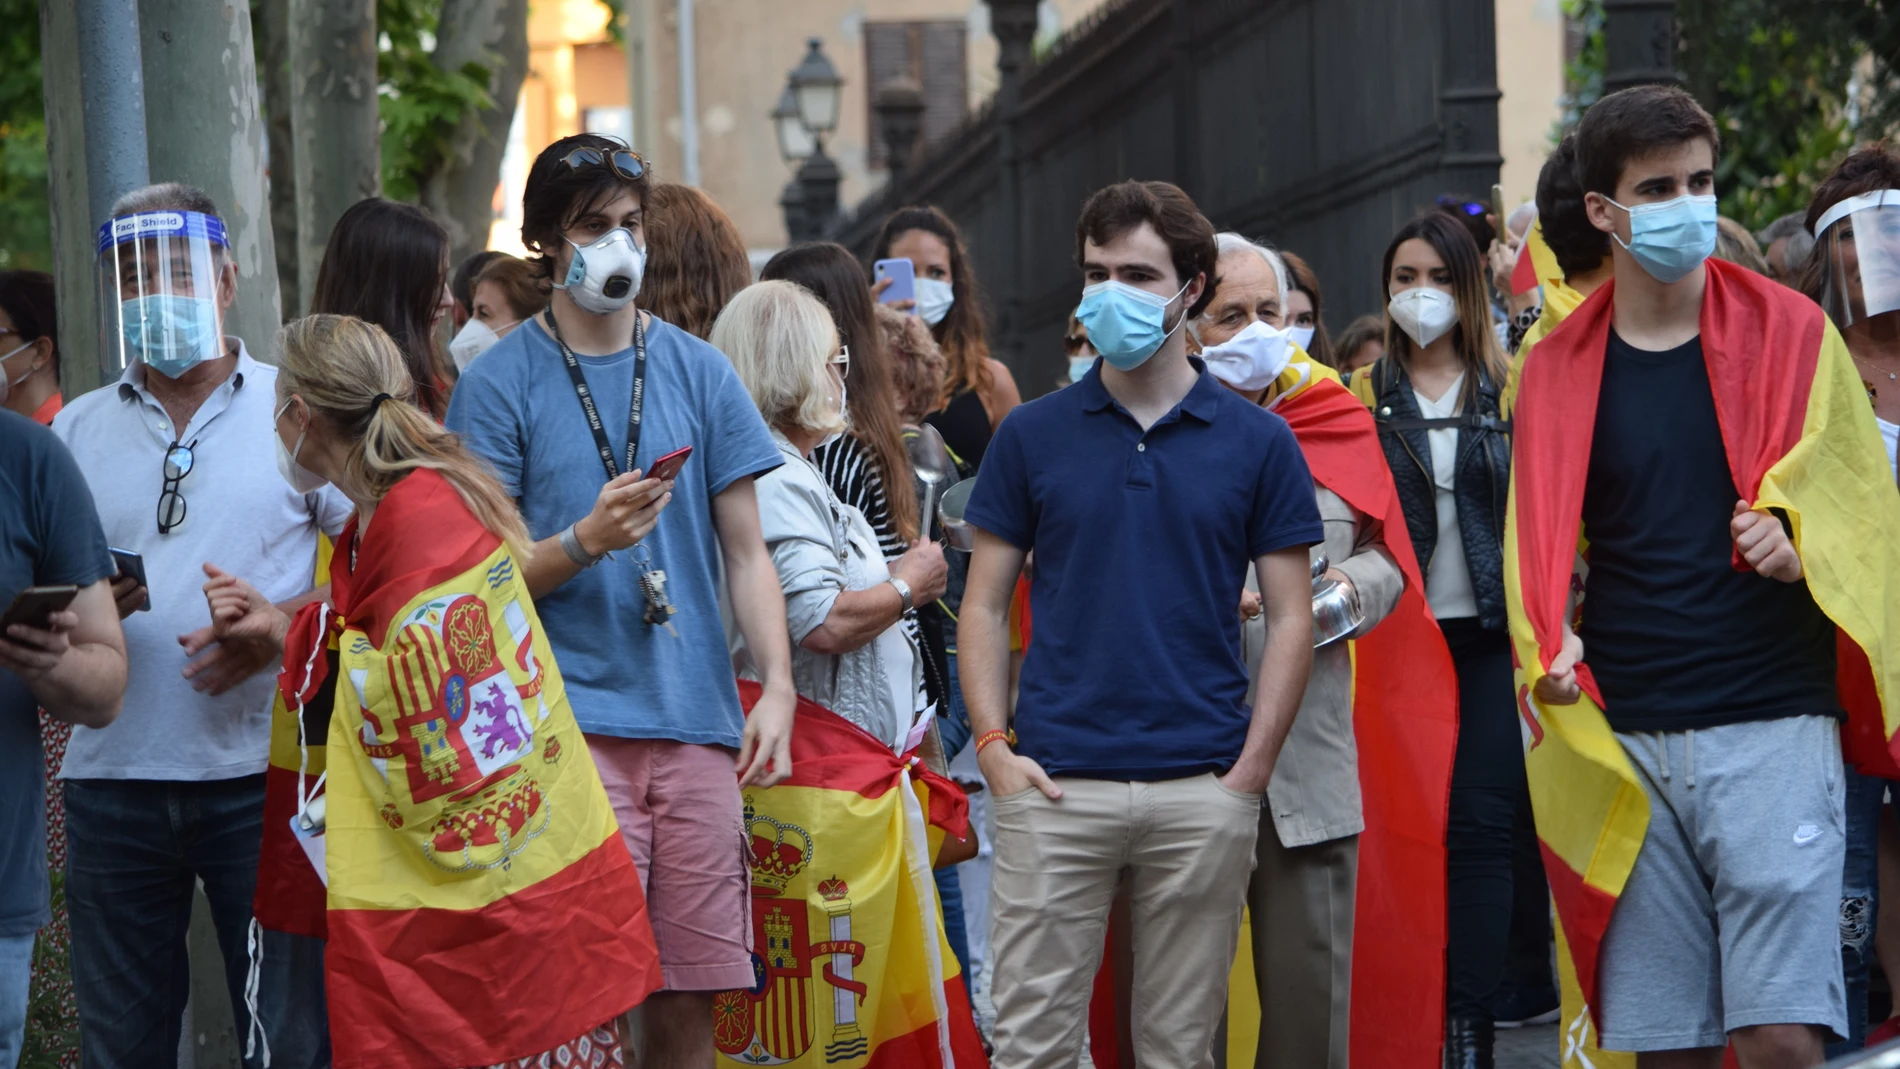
1731,916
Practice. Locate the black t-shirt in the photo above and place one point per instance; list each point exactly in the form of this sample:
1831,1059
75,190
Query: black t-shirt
49,536
1676,637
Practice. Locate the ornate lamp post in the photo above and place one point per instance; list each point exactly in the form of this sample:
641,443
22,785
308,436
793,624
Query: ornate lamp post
807,110
795,145
900,117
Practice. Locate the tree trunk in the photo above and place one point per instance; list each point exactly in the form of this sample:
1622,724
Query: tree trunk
203,127
270,19
75,254
338,148
461,192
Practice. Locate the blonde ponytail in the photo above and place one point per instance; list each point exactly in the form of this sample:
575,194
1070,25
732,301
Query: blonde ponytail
352,374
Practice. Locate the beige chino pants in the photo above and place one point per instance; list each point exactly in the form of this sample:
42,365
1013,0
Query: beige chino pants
1188,848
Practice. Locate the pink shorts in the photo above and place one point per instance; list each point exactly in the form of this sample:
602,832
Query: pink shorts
681,816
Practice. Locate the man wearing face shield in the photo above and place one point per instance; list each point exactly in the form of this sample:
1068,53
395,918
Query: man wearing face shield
1855,221
172,793
1704,431
1318,838
572,408
1856,277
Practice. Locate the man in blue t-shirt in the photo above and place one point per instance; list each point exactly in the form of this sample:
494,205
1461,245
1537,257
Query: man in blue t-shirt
72,663
1145,490
627,569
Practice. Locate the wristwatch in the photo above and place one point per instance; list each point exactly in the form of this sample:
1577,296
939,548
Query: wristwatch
903,591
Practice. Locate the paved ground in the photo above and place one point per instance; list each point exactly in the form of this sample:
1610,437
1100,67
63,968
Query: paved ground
1528,1048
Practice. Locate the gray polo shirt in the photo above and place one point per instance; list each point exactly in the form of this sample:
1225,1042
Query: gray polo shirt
241,516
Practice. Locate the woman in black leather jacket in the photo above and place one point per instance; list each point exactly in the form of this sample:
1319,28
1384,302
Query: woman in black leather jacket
1435,397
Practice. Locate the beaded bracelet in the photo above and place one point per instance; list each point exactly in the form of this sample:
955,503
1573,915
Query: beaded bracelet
992,736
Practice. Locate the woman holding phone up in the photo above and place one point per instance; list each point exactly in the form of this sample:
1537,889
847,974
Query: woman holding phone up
978,390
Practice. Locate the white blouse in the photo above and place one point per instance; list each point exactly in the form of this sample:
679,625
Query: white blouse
1447,577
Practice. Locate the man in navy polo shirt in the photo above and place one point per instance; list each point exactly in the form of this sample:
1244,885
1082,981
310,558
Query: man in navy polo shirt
1145,492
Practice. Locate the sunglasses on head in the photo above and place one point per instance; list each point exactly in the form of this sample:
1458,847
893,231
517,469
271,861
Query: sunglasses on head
625,162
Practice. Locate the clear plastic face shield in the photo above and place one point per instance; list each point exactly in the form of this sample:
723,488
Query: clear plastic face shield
165,278
1859,243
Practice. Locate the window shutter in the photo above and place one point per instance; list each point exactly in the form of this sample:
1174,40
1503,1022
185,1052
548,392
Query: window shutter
932,54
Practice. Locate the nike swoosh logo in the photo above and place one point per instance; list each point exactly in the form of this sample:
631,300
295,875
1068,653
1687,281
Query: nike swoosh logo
1806,834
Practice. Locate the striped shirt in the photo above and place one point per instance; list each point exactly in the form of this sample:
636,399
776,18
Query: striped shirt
853,475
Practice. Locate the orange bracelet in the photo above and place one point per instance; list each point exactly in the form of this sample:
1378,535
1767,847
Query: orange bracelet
992,736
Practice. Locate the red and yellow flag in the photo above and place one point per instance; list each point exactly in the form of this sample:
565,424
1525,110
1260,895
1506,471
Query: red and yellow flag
481,903
1405,721
1800,437
852,968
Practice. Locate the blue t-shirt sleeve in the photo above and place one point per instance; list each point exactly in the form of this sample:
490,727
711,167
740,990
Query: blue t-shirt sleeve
1001,502
737,443
1285,512
488,418
71,543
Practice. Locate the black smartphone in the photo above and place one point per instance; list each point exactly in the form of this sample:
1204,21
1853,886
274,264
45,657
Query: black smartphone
133,566
35,605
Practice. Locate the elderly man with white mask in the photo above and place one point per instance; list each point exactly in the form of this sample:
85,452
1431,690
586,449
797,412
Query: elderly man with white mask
1304,882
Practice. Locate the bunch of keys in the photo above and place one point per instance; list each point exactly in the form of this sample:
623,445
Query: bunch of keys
659,610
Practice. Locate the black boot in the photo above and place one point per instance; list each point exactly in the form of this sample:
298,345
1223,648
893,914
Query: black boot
1468,1043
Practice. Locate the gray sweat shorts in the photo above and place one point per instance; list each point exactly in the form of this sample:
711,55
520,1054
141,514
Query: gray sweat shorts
1731,917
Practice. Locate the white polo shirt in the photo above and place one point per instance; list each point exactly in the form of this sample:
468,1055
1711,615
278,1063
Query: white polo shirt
241,516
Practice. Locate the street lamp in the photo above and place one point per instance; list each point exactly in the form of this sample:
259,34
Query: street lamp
795,143
807,110
900,114
816,86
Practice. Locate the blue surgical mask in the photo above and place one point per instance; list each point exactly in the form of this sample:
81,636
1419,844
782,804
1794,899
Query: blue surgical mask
1302,337
1673,237
171,332
934,298
1079,366
1126,325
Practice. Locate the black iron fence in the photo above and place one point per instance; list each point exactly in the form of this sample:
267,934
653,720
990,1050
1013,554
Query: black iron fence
1320,125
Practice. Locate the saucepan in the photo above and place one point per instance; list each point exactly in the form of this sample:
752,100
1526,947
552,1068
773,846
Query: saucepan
1336,609
956,530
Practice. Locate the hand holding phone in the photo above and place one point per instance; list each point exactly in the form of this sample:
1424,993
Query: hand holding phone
902,280
35,606
667,468
129,587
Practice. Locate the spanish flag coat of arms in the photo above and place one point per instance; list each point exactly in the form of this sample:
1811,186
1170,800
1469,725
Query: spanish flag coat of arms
851,966
1800,437
480,903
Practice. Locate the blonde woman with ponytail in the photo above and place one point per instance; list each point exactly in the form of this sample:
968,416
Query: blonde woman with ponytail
482,906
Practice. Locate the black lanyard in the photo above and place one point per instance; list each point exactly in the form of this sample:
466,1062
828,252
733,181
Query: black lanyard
587,395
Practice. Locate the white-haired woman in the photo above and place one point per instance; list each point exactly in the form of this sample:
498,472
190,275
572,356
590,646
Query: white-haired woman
842,602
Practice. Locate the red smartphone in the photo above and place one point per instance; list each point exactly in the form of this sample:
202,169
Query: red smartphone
668,467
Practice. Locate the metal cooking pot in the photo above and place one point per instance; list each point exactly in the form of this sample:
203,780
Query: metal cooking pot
1336,609
956,530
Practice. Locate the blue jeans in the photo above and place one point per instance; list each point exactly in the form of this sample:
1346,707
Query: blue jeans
135,851
16,970
1860,902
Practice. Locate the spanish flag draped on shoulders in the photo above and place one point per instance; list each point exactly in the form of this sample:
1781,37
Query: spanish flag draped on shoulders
481,905
1800,438
1405,722
853,968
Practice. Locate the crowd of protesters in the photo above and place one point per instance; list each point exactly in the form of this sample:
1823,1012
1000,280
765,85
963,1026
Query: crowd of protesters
1524,651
